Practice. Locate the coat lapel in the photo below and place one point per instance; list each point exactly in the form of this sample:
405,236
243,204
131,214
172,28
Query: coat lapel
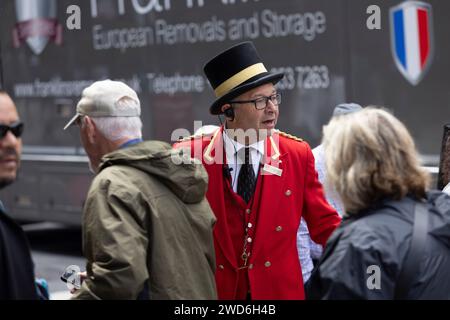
214,159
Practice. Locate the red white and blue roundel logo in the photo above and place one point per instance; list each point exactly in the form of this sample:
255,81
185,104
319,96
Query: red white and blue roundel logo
412,39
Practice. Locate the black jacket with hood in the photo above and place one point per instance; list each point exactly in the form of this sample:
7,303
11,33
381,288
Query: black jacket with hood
378,239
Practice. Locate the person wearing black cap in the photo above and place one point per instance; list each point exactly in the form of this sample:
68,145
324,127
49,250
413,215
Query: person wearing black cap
310,252
261,182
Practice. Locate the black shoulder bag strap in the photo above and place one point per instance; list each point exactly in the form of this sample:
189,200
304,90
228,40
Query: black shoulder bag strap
411,265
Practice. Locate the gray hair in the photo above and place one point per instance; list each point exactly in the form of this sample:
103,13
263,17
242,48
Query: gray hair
117,128
370,155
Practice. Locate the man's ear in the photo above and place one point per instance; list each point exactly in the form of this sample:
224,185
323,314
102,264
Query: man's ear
225,107
91,129
228,111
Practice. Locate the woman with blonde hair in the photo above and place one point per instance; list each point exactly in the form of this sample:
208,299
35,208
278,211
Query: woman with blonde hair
394,242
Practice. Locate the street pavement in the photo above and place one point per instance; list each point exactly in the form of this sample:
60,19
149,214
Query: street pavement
55,247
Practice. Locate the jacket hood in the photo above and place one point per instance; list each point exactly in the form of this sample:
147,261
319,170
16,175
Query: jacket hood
438,205
184,176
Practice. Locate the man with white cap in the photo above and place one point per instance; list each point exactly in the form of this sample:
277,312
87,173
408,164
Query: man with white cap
146,221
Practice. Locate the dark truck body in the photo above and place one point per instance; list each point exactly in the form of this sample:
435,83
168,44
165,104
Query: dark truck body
159,48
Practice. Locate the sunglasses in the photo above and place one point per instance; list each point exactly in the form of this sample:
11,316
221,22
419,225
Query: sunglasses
16,129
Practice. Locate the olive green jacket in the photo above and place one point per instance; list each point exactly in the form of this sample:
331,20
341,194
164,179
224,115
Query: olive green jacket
146,221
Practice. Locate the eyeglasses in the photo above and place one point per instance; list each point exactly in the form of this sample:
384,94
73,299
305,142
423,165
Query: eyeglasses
261,103
79,121
16,129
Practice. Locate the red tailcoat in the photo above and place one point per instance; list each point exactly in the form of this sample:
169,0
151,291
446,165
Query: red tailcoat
287,189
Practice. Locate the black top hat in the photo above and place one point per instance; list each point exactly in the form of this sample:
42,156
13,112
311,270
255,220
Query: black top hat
235,71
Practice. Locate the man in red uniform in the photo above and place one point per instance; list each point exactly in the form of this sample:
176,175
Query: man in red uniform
261,182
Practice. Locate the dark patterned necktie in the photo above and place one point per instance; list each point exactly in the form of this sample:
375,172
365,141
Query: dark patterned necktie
247,179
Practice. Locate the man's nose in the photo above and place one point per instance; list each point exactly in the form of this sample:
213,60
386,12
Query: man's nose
9,140
270,107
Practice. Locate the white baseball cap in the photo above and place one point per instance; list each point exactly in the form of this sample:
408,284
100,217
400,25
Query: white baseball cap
100,100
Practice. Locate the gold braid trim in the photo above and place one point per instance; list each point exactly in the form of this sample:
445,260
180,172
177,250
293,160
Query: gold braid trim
289,136
196,136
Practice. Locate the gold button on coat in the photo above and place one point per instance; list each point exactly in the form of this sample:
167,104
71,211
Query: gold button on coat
248,211
221,267
288,193
279,228
250,266
267,264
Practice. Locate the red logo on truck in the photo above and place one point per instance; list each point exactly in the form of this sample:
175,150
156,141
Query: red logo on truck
36,24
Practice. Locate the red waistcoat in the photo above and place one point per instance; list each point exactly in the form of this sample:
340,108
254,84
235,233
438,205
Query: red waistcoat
287,189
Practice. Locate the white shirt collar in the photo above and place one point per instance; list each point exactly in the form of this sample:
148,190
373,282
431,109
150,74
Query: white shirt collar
235,162
232,146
